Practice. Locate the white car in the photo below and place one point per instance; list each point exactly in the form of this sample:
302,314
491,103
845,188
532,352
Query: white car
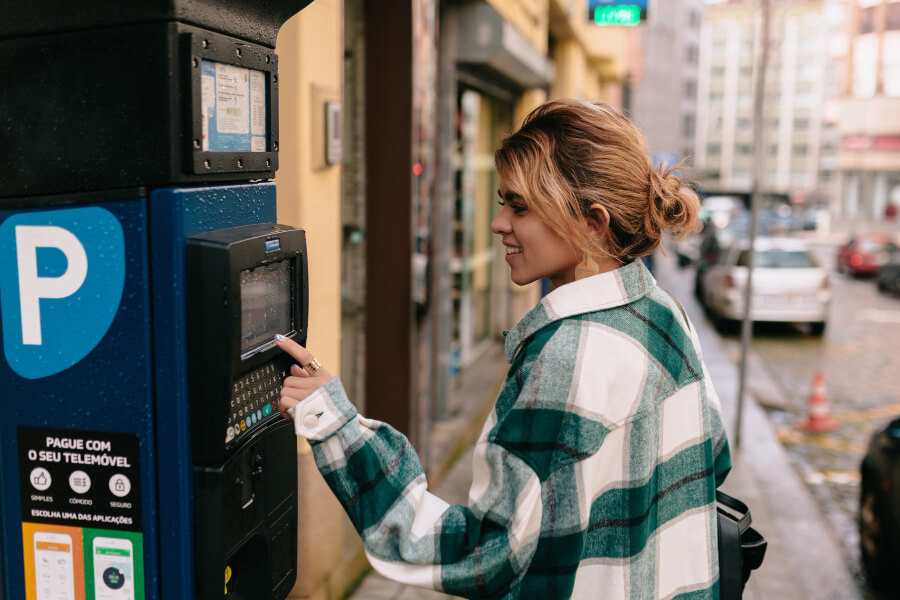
788,284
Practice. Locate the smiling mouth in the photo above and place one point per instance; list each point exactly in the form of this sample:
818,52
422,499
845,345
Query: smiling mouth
513,250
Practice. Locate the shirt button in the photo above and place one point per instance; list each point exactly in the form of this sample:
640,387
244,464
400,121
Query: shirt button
310,421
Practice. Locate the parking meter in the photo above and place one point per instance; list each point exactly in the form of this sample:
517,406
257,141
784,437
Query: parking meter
141,271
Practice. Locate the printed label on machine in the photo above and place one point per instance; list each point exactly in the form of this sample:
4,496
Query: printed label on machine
81,514
233,108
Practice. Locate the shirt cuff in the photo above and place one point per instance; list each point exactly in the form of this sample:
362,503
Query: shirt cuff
323,412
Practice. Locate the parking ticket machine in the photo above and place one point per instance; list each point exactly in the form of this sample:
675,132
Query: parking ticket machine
143,274
246,284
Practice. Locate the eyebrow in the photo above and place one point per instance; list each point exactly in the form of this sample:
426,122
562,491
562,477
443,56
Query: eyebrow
510,196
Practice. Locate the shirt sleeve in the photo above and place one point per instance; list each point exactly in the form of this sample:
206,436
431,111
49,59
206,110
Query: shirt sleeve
479,550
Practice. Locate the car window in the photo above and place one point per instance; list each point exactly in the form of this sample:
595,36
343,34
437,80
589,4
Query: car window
779,259
870,246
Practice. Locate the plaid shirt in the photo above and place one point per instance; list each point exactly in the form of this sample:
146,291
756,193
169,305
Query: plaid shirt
594,476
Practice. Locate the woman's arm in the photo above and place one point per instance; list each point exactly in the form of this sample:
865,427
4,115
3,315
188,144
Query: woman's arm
478,550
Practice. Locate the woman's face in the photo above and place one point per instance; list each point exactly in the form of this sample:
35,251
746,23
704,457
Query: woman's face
533,250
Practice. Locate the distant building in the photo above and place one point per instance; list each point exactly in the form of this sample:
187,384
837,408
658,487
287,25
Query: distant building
663,78
797,87
868,156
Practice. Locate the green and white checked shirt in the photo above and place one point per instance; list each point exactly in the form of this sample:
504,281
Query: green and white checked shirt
594,476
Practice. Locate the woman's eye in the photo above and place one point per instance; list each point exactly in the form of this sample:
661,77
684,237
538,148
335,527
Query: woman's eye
517,208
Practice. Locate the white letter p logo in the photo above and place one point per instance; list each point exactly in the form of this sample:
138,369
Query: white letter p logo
32,287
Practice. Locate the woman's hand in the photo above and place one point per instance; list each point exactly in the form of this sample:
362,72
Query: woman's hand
300,384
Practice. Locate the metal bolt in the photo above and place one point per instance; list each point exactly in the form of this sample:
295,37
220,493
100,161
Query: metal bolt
240,164
237,51
196,143
195,63
206,164
205,43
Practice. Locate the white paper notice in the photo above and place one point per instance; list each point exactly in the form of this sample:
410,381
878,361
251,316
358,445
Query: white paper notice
207,106
232,99
257,103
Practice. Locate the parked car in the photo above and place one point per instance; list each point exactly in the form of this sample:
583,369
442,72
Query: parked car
879,509
864,254
788,284
889,274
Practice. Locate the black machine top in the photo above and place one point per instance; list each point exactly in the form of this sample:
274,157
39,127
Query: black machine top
256,21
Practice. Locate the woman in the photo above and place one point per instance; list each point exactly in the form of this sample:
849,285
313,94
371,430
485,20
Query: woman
595,475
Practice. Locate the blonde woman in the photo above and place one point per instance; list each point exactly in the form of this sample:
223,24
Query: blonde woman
595,474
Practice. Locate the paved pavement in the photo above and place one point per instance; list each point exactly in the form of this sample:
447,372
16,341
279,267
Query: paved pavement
804,559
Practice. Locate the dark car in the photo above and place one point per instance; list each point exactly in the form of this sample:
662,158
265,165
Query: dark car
864,254
889,275
879,508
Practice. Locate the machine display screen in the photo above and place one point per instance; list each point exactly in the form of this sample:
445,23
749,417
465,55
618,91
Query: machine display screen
266,304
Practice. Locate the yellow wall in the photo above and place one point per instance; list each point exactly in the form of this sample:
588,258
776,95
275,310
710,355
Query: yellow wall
530,17
310,54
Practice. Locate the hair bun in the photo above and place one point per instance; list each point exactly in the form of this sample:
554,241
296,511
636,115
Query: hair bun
673,206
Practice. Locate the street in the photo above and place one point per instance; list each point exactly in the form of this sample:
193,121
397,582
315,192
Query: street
858,357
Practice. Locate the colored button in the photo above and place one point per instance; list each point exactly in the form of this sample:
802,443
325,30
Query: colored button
229,434
259,414
267,409
243,425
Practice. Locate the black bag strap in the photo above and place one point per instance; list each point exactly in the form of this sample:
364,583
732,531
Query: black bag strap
738,508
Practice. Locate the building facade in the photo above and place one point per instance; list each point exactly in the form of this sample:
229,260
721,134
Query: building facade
795,97
663,79
409,292
868,155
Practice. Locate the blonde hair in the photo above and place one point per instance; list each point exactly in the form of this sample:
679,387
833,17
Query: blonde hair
570,154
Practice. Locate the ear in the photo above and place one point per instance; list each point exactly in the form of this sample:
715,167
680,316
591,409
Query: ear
598,220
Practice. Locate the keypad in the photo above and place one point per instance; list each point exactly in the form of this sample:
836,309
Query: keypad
254,398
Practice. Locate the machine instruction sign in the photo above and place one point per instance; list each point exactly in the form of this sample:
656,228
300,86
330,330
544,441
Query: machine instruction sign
81,514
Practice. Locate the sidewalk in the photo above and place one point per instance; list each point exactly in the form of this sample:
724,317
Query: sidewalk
803,560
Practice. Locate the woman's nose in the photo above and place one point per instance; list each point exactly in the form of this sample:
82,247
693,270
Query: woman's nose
500,224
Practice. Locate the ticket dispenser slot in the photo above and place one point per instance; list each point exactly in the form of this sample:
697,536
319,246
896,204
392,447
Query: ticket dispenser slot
245,284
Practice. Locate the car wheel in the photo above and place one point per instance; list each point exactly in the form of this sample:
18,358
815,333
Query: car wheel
817,328
872,539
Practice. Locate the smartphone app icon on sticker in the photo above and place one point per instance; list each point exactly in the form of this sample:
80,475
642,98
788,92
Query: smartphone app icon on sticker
54,566
113,569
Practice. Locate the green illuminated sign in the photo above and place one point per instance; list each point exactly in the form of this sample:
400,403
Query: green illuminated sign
622,14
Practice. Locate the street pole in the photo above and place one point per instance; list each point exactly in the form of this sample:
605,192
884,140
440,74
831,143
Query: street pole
759,157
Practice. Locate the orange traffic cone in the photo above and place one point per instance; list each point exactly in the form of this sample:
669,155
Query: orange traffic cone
819,418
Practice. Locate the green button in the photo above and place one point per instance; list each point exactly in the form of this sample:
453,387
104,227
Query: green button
267,409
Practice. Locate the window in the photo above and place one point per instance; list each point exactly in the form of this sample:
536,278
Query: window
692,54
694,19
690,89
745,149
746,72
867,20
799,149
717,72
688,125
778,259
713,148
801,123
893,16
743,123
773,150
